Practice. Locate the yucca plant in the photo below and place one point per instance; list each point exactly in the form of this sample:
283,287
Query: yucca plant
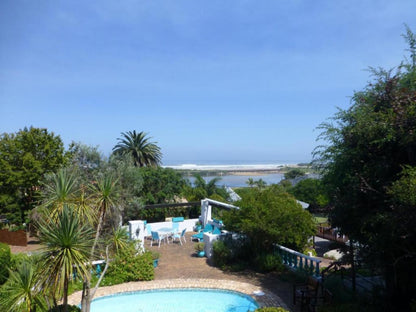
68,244
22,291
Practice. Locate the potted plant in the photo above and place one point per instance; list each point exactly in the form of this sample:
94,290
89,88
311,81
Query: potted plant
199,248
155,257
198,226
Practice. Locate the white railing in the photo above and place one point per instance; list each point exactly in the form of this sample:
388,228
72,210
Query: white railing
298,261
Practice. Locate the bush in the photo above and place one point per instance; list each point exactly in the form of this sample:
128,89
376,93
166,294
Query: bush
5,260
129,266
71,308
268,262
271,309
221,255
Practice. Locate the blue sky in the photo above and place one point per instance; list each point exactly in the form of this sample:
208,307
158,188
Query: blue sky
210,81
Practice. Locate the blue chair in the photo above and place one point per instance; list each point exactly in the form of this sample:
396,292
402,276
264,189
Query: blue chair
180,236
175,227
200,236
148,232
156,237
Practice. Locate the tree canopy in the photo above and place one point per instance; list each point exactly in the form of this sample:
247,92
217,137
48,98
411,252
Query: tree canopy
25,157
271,216
368,165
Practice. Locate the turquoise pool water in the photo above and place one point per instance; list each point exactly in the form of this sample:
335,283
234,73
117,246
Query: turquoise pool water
176,300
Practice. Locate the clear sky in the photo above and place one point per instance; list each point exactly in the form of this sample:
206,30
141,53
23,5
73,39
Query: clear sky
210,81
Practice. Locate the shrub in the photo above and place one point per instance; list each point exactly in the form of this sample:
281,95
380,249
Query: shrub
71,308
221,254
271,309
5,260
129,266
199,246
268,262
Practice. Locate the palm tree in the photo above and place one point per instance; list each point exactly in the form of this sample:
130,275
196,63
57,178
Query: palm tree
68,244
250,182
104,194
21,292
261,184
62,188
138,147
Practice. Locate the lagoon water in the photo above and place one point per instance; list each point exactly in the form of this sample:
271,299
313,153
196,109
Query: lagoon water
240,180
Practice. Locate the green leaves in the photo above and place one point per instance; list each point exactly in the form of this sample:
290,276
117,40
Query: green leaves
22,291
24,158
271,216
68,245
138,147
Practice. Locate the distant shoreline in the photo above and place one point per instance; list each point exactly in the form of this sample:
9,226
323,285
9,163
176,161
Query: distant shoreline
236,170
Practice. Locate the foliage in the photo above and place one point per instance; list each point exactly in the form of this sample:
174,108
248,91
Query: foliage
271,309
25,157
311,191
137,146
260,183
268,262
60,308
129,265
22,291
199,246
5,261
221,254
130,184
86,160
119,240
294,173
202,189
368,165
67,246
160,186
271,216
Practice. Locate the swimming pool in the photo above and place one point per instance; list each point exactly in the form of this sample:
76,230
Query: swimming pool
176,300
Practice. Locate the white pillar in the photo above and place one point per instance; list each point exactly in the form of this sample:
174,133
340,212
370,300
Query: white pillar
137,231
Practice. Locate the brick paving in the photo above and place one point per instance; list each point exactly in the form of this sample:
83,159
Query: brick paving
180,268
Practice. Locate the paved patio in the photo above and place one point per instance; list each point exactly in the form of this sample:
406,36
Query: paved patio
179,267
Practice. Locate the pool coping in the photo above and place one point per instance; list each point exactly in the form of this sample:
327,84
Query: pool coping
269,299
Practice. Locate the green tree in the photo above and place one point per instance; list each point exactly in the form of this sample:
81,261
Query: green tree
294,173
137,145
311,191
369,158
85,160
22,291
68,244
260,183
271,216
25,157
250,182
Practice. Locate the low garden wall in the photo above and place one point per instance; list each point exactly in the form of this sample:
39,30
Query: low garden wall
15,238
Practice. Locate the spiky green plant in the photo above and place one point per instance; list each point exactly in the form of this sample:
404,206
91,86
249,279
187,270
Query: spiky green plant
22,291
68,244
